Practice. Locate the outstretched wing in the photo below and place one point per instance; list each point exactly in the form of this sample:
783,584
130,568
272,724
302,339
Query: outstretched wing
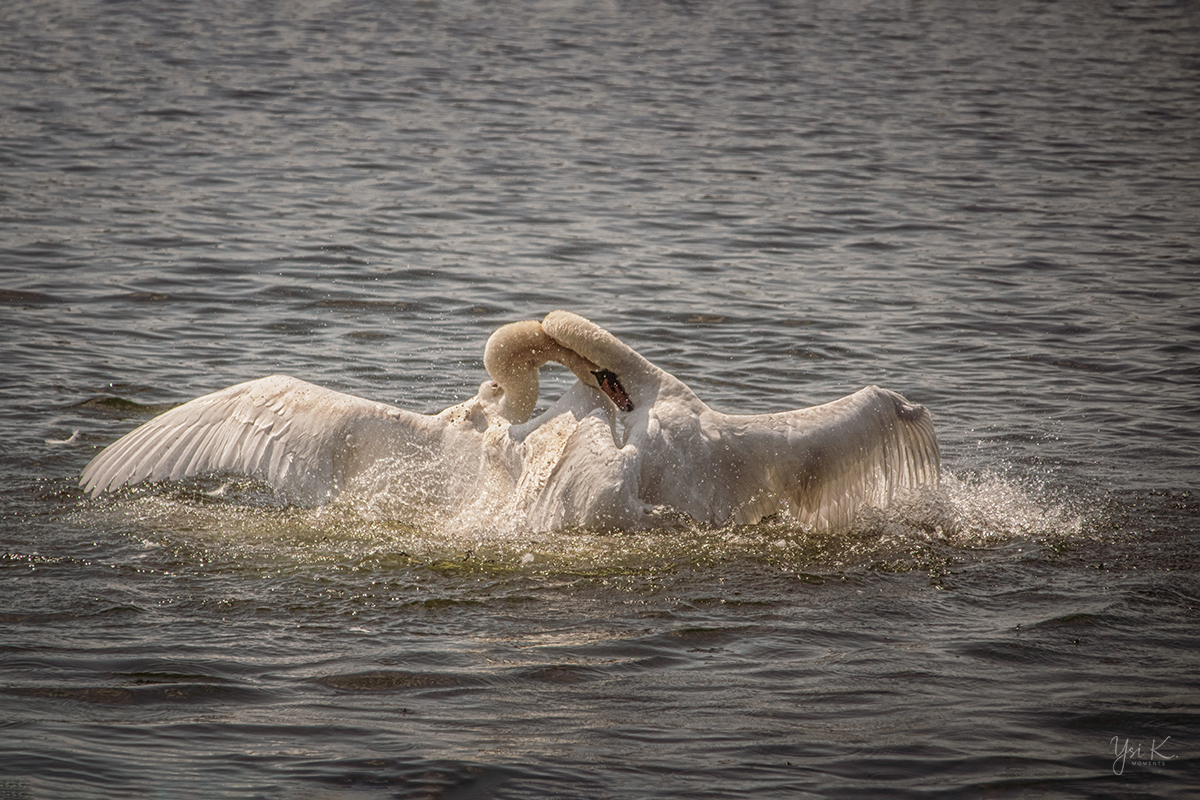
821,465
303,440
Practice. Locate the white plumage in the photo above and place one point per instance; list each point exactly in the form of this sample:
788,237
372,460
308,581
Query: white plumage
571,466
302,439
816,465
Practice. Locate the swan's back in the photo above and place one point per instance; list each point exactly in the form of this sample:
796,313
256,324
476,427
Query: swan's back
303,440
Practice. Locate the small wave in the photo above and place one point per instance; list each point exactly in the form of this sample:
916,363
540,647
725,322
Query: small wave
121,407
24,298
72,439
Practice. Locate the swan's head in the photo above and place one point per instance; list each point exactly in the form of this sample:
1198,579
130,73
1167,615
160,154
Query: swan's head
592,343
515,352
610,384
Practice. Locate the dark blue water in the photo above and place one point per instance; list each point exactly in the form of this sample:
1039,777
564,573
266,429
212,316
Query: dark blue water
991,208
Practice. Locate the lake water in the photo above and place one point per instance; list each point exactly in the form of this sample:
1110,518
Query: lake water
992,208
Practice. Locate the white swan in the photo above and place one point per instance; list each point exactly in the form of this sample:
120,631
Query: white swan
816,465
572,466
309,443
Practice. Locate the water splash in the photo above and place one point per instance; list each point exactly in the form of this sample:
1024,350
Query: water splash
404,528
979,509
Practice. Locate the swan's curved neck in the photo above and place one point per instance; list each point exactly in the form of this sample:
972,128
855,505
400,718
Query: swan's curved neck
513,355
619,362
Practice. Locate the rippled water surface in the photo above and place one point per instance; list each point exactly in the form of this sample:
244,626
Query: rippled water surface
992,208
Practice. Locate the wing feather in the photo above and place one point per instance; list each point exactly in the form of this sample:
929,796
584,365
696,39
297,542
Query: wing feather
870,446
303,440
821,465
